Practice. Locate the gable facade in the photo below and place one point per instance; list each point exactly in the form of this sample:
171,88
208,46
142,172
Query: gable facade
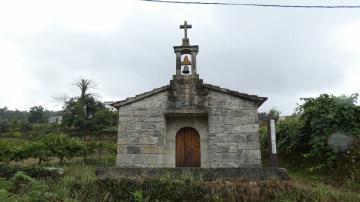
227,125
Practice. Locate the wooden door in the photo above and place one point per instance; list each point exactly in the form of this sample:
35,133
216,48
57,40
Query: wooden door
188,148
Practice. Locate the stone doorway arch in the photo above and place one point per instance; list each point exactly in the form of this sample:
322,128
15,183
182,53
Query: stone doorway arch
188,148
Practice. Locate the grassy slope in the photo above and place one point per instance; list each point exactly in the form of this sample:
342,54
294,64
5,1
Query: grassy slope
314,187
306,187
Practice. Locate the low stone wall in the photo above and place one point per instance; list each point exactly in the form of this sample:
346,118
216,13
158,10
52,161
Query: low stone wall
207,174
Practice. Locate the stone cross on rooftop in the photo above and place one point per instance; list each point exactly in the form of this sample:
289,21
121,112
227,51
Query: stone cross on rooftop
185,26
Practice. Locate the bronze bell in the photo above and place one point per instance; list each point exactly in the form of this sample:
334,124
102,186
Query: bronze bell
185,70
186,61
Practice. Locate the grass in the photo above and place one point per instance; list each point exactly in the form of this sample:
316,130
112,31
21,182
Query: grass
80,184
321,188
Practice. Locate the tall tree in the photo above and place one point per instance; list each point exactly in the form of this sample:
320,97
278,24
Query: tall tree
37,114
84,113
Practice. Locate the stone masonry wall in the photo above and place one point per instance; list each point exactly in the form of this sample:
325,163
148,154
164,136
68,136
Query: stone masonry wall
187,95
141,132
234,140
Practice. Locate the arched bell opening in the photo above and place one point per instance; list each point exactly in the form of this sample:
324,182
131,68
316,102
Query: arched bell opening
188,148
186,64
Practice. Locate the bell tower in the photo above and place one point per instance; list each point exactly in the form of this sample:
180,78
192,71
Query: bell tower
187,93
186,54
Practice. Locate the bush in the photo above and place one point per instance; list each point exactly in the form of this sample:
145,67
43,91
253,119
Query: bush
289,136
324,117
166,189
8,171
22,187
323,135
4,126
10,151
61,146
25,127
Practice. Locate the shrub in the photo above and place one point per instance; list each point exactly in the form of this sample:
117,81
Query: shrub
38,150
4,126
324,117
8,171
22,187
25,127
10,151
167,189
289,136
61,146
322,134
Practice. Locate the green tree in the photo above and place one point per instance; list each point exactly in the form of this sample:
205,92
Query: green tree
322,134
38,150
102,119
87,148
325,117
37,114
7,151
61,146
84,113
13,115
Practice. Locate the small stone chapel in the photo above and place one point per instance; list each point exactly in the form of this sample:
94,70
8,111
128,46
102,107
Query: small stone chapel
189,123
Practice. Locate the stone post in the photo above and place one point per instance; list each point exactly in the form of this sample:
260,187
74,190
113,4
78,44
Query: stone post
193,63
272,143
178,63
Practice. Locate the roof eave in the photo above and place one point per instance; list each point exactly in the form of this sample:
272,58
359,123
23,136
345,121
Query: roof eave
138,97
258,100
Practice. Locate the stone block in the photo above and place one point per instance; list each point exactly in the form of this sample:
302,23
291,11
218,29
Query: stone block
133,149
216,157
123,119
125,158
230,138
253,137
213,140
244,120
144,140
149,126
252,156
238,113
149,159
227,147
247,105
227,120
234,157
154,133
146,149
219,128
215,119
248,145
247,128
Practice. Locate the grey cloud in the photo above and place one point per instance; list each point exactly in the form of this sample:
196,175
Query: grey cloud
281,54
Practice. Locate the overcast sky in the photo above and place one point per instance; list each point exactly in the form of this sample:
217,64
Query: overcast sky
127,48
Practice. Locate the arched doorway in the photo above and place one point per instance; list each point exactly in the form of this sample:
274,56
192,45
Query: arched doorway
188,148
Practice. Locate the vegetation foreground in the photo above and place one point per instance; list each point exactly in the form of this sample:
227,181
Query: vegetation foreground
79,183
